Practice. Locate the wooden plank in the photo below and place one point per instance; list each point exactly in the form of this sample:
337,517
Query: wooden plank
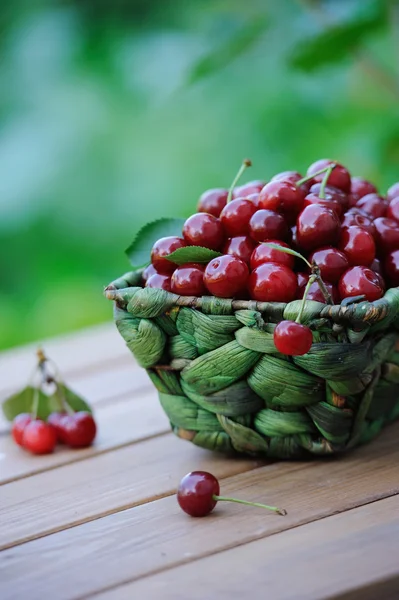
342,554
155,536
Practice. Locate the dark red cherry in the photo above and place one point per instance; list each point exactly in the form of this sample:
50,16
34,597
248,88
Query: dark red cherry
241,246
292,338
197,493
391,268
330,203
188,280
373,205
267,224
205,230
387,235
226,276
272,282
356,217
393,209
162,248
331,193
393,191
282,197
339,178
361,187
317,226
236,215
264,254
255,199
358,281
162,282
358,246
294,177
331,262
79,429
315,293
213,201
148,271
302,279
57,419
252,187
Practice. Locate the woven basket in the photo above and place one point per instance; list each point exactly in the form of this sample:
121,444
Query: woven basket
224,386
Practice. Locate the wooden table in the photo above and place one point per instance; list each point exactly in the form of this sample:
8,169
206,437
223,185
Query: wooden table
104,522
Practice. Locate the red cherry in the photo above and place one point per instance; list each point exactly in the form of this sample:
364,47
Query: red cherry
18,426
361,187
56,419
39,437
356,217
241,246
196,493
159,281
330,203
391,268
294,177
283,197
373,205
254,198
393,209
360,280
358,246
292,338
188,280
148,271
272,282
317,226
387,235
264,254
213,201
331,262
236,215
302,279
315,293
79,429
226,276
204,230
339,178
252,187
162,248
331,193
393,191
267,224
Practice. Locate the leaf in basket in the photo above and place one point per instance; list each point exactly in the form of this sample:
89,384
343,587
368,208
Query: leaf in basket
192,254
73,400
140,249
23,402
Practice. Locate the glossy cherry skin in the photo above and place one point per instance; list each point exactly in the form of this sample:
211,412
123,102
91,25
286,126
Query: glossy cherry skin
162,248
252,187
226,276
387,235
267,224
391,268
393,191
39,437
204,230
356,217
272,282
358,246
283,197
241,246
393,209
236,215
331,262
317,226
292,338
188,280
294,177
339,178
376,266
360,280
161,282
330,203
361,187
18,426
213,201
332,193
79,429
56,419
264,254
254,198
373,205
315,293
148,271
196,493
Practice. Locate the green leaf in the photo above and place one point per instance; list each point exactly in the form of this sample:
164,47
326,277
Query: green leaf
23,401
287,251
140,249
195,254
73,400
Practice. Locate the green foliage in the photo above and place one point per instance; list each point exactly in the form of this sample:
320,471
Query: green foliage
140,249
196,254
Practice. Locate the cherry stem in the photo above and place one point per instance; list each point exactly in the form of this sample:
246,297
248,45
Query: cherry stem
322,286
309,177
311,280
322,192
35,405
279,511
245,164
43,361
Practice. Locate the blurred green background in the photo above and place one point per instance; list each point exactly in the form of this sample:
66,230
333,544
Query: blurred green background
115,112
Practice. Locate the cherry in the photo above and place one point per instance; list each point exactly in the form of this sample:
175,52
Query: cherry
294,177
302,279
198,494
317,226
356,217
331,193
391,268
267,224
360,280
252,187
188,280
204,230
236,215
264,254
272,282
393,191
18,426
361,187
56,419
376,266
39,437
292,338
339,178
387,235
213,201
79,429
254,198
162,248
358,246
241,246
331,203
393,209
226,276
283,197
331,262
159,281
315,293
373,205
148,271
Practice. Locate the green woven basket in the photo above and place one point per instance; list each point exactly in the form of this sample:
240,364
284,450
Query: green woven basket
224,386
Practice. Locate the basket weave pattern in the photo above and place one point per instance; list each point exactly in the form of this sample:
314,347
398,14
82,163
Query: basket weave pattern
224,386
